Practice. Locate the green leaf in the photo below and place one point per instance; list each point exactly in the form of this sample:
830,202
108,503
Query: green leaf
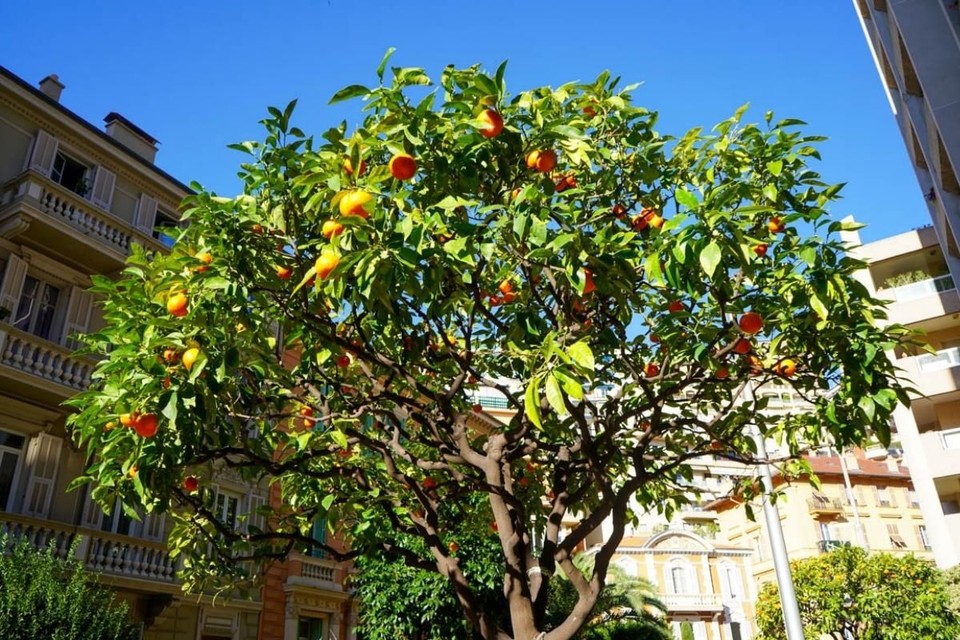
383,63
710,258
554,395
571,386
775,168
868,406
817,305
353,91
770,192
687,199
581,354
531,402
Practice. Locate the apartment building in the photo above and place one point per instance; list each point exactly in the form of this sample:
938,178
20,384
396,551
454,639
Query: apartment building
73,199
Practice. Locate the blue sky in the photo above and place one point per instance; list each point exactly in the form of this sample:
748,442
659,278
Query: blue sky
199,75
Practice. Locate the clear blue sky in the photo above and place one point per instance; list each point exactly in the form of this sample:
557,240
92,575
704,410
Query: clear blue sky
199,75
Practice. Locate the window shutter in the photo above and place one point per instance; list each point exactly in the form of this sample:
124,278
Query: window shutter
77,320
43,457
43,154
92,513
152,526
102,192
12,284
255,519
146,214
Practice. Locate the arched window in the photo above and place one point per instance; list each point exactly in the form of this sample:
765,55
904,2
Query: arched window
680,577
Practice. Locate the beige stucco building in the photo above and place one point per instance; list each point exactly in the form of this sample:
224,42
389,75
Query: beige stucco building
73,199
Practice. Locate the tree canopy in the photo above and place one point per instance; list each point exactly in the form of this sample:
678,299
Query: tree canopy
624,290
848,594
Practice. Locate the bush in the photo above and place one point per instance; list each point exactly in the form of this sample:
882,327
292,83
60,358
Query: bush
43,596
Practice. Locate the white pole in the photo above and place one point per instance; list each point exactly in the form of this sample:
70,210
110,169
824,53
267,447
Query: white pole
857,523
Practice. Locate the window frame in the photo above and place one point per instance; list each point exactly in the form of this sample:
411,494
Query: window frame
20,457
56,316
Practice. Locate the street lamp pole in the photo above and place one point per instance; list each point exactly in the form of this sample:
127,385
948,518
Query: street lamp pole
778,546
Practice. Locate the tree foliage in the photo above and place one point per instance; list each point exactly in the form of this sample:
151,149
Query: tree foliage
342,363
849,595
43,596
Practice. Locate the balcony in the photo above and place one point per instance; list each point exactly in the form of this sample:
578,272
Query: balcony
113,556
941,452
920,301
691,602
826,546
933,374
44,215
54,372
823,506
320,573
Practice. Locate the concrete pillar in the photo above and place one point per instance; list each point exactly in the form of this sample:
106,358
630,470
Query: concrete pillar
941,538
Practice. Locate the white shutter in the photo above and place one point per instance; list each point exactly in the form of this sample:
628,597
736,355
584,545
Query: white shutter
77,320
146,214
254,519
152,527
12,284
92,513
43,458
44,152
102,192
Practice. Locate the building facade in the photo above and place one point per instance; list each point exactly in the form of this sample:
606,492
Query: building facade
73,199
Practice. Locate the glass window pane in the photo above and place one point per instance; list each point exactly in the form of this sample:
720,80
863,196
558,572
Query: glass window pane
8,466
21,319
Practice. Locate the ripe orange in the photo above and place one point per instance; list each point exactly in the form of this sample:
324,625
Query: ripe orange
651,370
326,263
331,229
453,546
402,166
348,167
146,425
786,367
205,257
776,225
565,182
751,323
588,285
170,356
177,305
191,484
134,470
760,250
505,287
355,203
129,419
654,338
491,123
742,346
429,483
722,373
543,161
656,221
283,273
676,307
344,361
189,357
257,229
589,111
619,211
755,364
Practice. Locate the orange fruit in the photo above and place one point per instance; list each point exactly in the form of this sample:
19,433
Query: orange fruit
755,364
589,111
776,225
742,346
786,367
128,419
543,161
257,229
429,483
651,370
326,263
355,203
169,356
722,373
453,546
191,484
189,357
283,273
110,426
760,250
676,307
344,361
205,257
751,323
588,285
491,123
348,167
655,221
402,166
331,229
134,470
177,305
146,425
619,211
505,287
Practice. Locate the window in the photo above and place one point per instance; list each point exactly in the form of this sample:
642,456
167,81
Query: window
896,541
730,581
319,533
922,537
166,229
680,578
884,499
117,521
70,174
11,450
225,509
950,439
914,500
37,307
310,629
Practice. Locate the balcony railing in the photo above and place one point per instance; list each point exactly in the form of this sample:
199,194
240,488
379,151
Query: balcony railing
943,359
319,569
101,552
921,289
826,546
692,601
77,212
28,353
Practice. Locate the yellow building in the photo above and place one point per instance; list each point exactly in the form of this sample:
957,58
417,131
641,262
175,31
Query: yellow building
818,520
73,199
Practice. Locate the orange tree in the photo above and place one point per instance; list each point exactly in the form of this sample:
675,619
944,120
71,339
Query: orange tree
338,314
850,595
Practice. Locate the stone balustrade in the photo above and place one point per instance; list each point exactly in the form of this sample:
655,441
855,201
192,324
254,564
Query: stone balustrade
28,353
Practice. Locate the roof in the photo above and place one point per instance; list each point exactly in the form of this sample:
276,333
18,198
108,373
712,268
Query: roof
39,95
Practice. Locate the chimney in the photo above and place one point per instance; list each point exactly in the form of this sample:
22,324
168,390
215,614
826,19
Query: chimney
131,136
51,87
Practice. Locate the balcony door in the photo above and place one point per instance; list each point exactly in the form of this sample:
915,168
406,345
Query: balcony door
11,456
